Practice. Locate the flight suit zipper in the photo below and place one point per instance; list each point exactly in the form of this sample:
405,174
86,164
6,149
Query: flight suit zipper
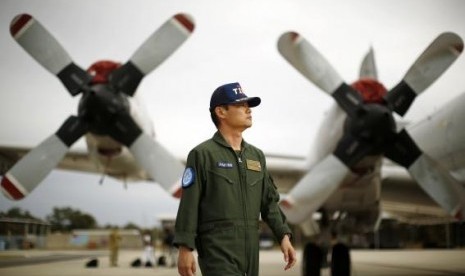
244,190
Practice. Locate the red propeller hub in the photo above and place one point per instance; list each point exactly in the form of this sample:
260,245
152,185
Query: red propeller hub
100,70
371,90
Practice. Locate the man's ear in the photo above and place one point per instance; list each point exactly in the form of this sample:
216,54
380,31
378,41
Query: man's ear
220,111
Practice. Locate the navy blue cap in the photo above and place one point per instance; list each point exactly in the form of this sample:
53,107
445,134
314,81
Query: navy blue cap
231,93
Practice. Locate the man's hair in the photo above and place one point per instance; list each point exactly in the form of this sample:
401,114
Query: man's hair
215,119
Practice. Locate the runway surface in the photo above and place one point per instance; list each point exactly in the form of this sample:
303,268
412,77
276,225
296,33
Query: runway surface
365,263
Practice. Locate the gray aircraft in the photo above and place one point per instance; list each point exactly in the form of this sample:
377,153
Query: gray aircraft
367,161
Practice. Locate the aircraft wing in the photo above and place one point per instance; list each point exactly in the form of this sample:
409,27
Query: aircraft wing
74,160
286,170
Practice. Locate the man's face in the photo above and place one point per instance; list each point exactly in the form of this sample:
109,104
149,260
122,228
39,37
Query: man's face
237,116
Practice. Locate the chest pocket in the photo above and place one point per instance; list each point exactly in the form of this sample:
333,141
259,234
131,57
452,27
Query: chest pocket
254,178
254,191
221,176
254,171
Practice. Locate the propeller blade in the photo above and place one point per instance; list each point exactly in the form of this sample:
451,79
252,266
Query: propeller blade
311,64
404,151
157,48
314,188
46,50
162,166
296,213
159,163
428,67
435,180
322,180
439,185
124,129
368,68
28,172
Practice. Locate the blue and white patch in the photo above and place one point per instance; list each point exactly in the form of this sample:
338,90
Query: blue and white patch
188,177
224,165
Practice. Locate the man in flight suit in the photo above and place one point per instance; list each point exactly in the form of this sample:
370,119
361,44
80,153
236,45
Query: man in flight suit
226,187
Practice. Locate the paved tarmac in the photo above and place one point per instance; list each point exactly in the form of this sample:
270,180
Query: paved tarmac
365,263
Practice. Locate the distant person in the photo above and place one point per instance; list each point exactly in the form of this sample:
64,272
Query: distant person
148,258
168,247
114,244
225,188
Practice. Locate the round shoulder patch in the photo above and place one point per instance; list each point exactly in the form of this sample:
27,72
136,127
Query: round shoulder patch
188,177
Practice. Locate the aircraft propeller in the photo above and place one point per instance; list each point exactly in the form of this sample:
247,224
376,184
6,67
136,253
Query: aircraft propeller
103,107
370,128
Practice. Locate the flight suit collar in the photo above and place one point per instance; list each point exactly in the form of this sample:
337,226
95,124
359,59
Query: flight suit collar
218,138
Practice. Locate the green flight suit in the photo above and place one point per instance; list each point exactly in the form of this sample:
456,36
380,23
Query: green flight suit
224,194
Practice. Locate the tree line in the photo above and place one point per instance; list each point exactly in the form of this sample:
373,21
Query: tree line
63,219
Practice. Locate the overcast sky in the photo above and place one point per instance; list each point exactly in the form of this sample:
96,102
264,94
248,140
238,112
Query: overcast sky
232,41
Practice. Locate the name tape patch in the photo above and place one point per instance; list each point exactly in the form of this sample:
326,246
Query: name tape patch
224,165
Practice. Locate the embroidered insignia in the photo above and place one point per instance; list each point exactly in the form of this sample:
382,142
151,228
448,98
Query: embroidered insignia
188,177
254,165
224,165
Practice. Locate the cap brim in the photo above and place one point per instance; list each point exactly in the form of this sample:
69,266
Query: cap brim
252,101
